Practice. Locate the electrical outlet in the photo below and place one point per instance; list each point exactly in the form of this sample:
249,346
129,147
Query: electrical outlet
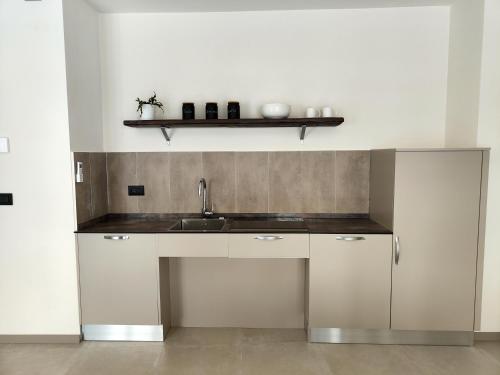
135,190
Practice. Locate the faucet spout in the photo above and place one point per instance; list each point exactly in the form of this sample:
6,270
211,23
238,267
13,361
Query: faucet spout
203,193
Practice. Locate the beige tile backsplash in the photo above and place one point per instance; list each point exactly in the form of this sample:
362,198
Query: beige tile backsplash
99,184
122,172
252,182
219,169
238,182
92,193
185,172
285,182
352,181
153,171
318,181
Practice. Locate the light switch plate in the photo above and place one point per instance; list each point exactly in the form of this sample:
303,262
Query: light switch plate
4,144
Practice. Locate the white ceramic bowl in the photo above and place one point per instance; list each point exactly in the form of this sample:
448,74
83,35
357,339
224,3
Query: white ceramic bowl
275,110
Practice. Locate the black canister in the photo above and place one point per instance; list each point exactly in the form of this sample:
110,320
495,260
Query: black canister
233,110
188,111
211,111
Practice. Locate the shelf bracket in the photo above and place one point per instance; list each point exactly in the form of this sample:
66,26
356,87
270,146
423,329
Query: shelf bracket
165,134
302,133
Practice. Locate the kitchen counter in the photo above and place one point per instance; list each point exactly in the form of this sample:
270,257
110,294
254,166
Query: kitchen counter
129,224
345,226
150,223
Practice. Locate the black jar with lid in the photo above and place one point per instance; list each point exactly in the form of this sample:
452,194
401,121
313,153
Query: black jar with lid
188,111
233,110
211,111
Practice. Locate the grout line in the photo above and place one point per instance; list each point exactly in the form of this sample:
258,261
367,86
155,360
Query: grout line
202,164
169,209
268,179
136,176
235,184
300,185
92,207
303,201
202,158
236,207
107,181
136,182
369,172
335,181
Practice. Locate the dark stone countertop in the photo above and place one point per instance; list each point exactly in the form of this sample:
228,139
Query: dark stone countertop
109,224
346,226
169,223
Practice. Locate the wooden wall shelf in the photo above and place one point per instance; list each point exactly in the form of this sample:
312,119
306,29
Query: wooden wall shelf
301,123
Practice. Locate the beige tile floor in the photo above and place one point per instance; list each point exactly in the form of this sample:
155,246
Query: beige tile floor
205,351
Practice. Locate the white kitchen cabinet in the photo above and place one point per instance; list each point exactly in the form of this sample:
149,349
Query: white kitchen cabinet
266,245
118,279
350,281
435,216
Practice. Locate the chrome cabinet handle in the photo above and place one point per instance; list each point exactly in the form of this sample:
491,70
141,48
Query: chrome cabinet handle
116,238
397,249
268,238
343,238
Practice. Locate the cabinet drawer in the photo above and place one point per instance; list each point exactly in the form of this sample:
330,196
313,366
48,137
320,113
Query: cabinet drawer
200,245
350,281
268,245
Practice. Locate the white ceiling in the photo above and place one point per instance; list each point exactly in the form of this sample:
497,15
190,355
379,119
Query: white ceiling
146,6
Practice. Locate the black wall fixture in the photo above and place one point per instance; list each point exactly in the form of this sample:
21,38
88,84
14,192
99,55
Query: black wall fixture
6,199
135,190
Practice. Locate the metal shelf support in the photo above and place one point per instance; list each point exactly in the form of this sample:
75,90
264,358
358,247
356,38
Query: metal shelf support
165,134
302,133
167,137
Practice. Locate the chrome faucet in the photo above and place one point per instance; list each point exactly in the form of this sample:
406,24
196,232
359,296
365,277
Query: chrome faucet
203,192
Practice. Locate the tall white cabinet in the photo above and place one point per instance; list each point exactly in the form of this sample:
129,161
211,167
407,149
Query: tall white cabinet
436,214
433,201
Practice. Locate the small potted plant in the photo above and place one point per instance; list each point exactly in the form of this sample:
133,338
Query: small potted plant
147,108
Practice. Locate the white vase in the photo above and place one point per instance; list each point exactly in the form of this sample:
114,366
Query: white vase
148,112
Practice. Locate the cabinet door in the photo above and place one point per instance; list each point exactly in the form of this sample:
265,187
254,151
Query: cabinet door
350,281
436,213
118,279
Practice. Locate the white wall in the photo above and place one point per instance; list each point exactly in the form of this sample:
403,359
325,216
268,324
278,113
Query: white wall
385,70
38,284
81,32
466,32
489,135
